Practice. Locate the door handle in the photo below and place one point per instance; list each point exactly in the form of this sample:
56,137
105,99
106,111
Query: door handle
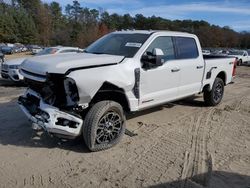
175,70
199,67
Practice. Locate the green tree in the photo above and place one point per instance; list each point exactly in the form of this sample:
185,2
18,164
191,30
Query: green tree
8,26
27,32
33,21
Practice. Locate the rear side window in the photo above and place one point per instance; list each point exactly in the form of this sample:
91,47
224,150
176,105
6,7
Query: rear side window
186,48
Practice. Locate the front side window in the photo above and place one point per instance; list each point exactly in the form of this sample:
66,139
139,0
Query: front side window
118,44
165,44
186,48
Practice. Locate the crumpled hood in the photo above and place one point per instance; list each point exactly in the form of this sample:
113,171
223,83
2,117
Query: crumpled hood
17,61
61,63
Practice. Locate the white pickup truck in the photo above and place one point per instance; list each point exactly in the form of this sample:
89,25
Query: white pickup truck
125,71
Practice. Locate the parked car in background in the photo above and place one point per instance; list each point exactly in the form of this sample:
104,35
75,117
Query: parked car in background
241,55
2,45
59,50
36,49
7,50
1,57
10,69
123,72
24,49
10,45
206,52
17,49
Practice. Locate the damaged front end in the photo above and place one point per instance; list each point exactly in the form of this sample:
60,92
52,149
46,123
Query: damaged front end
53,105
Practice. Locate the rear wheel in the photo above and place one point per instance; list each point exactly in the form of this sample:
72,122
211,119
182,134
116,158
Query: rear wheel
104,125
240,62
214,97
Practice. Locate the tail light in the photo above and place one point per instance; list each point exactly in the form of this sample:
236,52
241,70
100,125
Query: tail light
234,68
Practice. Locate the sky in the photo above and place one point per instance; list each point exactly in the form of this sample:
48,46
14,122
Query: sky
232,13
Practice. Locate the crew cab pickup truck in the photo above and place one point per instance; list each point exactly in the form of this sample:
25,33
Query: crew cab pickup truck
125,71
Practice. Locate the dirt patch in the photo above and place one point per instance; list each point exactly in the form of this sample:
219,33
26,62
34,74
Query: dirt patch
18,55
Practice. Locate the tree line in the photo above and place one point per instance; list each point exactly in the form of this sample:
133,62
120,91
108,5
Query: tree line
35,22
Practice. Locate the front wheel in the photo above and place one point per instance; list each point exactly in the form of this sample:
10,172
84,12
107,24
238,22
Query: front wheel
214,97
104,125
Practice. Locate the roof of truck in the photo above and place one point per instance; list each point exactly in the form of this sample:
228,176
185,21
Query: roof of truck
153,31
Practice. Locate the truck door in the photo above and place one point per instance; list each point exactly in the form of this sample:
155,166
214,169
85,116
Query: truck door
244,57
191,65
159,83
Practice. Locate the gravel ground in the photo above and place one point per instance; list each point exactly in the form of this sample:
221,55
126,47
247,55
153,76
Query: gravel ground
181,144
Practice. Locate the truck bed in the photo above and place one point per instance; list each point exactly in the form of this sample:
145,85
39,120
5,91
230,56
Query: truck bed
214,65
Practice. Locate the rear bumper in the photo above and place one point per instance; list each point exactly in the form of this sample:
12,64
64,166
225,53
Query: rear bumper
49,118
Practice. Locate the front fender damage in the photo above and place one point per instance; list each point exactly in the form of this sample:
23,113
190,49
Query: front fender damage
50,118
54,105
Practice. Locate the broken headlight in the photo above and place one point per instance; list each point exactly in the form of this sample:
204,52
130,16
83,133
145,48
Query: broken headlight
71,91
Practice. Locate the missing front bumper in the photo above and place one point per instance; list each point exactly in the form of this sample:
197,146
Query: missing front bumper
50,118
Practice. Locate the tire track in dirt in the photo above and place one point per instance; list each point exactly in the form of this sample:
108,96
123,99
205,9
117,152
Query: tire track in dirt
162,159
9,181
198,160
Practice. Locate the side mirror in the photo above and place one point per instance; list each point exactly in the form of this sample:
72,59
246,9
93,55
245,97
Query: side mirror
158,53
153,59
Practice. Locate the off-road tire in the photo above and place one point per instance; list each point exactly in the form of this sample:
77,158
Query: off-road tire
210,97
92,122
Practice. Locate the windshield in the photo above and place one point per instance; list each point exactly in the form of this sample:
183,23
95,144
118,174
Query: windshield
47,51
118,44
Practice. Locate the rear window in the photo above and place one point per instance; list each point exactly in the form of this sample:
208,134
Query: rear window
186,48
